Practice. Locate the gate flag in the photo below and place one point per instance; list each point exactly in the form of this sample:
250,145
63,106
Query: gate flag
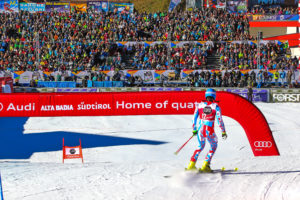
72,152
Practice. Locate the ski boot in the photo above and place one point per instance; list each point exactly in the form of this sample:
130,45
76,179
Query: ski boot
205,167
191,166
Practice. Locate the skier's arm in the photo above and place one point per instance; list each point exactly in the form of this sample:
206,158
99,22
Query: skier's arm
196,115
220,120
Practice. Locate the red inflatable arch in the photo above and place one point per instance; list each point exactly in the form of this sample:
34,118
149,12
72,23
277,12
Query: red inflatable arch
252,120
142,103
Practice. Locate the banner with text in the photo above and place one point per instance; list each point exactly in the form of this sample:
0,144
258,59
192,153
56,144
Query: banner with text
273,17
284,96
237,6
33,7
252,3
82,7
259,95
121,7
217,3
9,6
140,103
99,6
57,7
148,76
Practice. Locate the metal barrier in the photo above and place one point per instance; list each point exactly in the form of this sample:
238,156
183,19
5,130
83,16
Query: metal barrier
259,95
108,84
56,84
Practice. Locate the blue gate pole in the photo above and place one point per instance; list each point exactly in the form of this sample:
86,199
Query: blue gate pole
1,188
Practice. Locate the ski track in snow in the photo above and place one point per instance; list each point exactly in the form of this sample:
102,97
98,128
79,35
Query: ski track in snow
140,171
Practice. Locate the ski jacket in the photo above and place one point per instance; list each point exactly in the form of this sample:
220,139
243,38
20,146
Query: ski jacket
207,112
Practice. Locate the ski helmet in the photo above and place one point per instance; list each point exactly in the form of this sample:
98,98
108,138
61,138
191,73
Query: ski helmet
210,93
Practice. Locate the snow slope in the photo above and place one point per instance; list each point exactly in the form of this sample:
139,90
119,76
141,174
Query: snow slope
138,162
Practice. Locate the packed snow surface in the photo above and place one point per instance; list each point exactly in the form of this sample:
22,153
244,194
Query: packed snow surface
136,160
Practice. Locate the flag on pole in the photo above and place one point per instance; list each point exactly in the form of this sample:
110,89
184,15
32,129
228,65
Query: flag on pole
173,4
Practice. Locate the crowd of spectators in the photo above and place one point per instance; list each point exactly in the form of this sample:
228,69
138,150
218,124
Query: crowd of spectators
77,41
82,41
245,56
236,78
207,24
278,10
163,57
16,55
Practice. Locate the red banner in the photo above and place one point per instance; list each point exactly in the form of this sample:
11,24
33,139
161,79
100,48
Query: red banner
98,104
142,103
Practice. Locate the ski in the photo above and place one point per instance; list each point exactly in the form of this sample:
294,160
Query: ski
198,171
222,170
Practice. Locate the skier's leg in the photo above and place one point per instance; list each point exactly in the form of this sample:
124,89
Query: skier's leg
201,140
213,141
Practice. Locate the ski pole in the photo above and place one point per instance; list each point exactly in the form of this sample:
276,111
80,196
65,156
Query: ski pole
183,145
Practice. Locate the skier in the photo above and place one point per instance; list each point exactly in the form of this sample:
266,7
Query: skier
206,111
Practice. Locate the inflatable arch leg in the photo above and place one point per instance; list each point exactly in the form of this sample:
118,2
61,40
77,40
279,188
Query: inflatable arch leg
252,120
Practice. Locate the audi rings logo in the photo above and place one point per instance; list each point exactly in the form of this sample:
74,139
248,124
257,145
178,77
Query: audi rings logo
263,144
1,106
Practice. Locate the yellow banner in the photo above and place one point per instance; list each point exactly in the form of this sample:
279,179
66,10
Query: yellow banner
79,6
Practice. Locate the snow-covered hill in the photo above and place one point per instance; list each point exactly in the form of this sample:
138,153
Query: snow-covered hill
132,157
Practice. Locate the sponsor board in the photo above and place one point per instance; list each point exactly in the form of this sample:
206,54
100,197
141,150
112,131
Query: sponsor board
33,7
116,89
160,89
140,103
76,89
251,3
57,7
263,144
106,103
260,146
98,5
148,76
286,97
82,7
121,7
259,95
94,104
274,18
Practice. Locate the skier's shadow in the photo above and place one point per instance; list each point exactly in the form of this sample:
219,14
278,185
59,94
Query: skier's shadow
16,145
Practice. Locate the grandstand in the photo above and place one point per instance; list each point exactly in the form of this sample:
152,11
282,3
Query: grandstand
81,41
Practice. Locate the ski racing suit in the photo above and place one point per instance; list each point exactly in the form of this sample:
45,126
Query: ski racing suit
207,111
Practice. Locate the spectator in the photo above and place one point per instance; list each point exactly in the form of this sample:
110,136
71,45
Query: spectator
276,77
259,79
250,93
282,75
296,84
289,78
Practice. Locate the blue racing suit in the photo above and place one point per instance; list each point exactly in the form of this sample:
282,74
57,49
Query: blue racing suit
207,112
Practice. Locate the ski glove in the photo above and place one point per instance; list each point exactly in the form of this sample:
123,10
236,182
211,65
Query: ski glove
195,132
224,136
